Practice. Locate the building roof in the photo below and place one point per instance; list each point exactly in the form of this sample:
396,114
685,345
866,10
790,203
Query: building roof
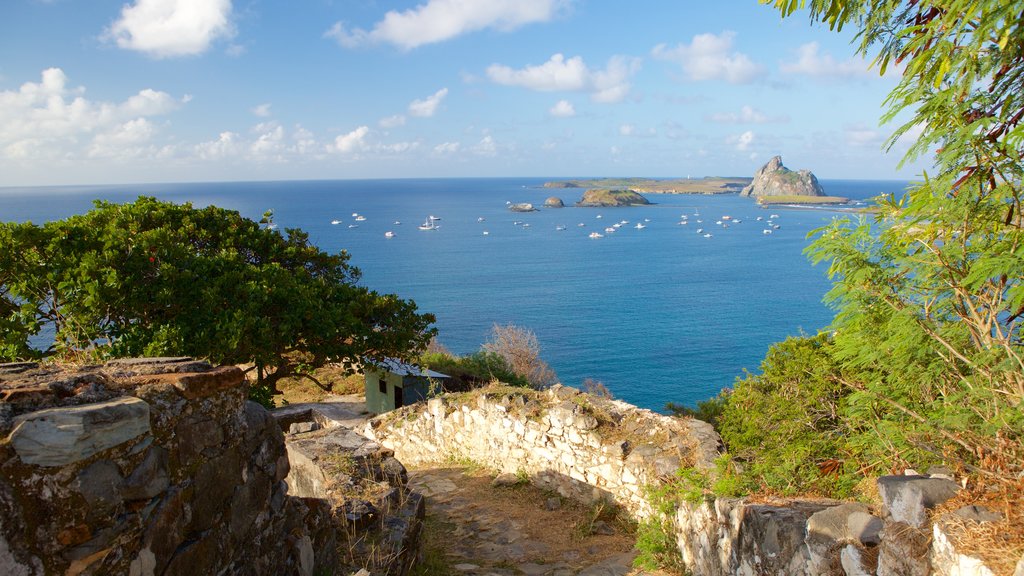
396,366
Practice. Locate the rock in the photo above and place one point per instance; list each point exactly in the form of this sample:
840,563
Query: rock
1019,571
610,198
204,384
554,202
505,480
774,179
553,503
100,484
978,514
946,561
602,528
522,207
149,478
60,436
854,562
906,498
850,522
303,427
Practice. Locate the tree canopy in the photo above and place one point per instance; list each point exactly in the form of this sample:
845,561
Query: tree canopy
929,294
157,278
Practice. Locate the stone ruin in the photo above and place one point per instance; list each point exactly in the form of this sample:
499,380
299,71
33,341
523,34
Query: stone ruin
161,466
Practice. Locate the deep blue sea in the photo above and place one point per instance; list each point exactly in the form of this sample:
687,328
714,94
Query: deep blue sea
657,314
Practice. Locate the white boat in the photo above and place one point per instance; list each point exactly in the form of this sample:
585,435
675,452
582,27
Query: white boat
581,224
596,235
559,228
640,226
699,230
480,219
355,214
335,222
432,217
486,233
708,235
609,229
598,216
353,225
397,223
389,234
766,231
428,224
360,218
526,224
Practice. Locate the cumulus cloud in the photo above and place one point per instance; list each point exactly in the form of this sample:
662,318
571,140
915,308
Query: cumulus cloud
627,130
446,148
746,115
351,142
225,146
440,20
486,147
711,57
860,136
262,110
169,28
810,61
743,141
560,74
392,121
48,120
428,106
562,109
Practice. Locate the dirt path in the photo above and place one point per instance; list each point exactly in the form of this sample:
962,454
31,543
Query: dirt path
477,529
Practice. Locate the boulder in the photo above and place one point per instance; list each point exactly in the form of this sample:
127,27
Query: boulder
522,207
774,179
554,202
907,498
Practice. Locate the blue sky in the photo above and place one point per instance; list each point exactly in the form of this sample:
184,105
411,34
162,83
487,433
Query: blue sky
134,91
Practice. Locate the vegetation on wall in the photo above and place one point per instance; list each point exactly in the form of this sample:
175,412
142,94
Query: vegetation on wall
156,278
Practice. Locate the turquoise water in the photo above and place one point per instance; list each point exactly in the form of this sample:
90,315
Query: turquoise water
658,314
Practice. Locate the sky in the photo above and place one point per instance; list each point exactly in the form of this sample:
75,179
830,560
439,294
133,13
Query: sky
139,91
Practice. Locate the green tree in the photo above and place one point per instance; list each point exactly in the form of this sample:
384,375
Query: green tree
930,295
153,278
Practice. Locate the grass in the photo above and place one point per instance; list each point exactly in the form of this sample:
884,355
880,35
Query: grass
433,557
297,390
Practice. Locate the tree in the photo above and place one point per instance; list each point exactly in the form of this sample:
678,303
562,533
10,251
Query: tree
521,351
155,278
930,295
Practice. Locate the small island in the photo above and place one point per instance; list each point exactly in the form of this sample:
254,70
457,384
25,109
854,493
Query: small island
608,198
707,185
522,207
773,183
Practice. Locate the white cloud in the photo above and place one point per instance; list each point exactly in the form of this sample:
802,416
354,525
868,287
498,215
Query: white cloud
440,20
811,62
225,146
711,57
447,148
392,121
486,147
860,136
428,106
262,110
559,74
746,115
269,140
49,120
627,130
743,141
352,141
168,28
562,109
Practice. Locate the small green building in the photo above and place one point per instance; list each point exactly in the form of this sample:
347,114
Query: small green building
392,384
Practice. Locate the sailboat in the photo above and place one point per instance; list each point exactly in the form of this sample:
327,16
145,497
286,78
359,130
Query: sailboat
428,224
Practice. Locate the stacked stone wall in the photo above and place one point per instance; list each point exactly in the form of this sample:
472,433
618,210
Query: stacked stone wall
591,448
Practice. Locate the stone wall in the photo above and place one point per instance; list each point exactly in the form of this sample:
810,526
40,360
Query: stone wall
583,447
591,448
161,466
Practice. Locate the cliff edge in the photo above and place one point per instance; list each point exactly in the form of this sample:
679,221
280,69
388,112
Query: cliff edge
774,179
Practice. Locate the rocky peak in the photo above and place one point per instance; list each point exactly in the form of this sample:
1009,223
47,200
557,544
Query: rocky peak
774,179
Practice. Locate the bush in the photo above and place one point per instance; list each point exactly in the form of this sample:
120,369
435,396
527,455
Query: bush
473,371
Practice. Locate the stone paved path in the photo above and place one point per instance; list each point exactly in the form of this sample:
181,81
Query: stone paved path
512,531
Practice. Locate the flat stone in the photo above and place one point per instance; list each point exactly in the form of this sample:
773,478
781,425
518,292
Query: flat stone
100,483
978,514
205,384
149,478
303,427
61,436
854,563
848,522
504,480
465,567
907,498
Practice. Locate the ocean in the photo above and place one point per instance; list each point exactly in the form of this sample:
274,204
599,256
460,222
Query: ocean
656,314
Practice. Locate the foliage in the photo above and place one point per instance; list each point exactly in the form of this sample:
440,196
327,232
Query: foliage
709,410
930,295
521,350
785,425
597,388
473,371
157,278
656,546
